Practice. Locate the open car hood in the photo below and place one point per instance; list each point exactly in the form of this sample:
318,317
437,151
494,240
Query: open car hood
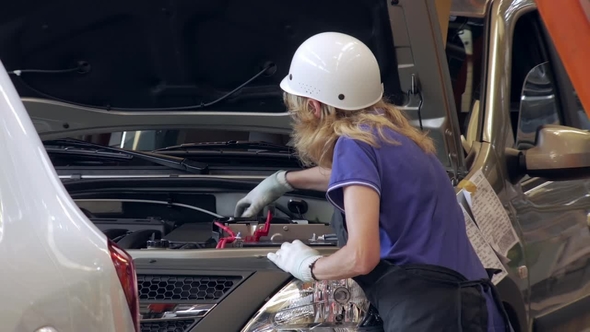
131,65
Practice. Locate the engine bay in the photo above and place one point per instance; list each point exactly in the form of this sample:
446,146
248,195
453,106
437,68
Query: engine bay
189,221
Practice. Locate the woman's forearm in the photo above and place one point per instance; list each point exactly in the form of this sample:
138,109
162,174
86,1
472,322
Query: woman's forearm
345,263
315,178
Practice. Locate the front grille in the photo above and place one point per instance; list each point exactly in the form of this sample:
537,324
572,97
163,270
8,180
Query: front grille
156,287
167,326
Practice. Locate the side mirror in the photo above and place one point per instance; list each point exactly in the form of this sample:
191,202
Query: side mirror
559,153
543,147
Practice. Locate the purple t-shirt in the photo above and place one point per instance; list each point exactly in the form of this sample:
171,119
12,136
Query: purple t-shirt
420,220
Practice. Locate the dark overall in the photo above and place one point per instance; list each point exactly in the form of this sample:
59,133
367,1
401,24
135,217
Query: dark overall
424,297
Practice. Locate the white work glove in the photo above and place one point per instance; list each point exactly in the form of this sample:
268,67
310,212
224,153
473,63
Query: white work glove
268,191
295,258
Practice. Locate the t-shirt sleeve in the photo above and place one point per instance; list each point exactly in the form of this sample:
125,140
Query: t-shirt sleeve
354,163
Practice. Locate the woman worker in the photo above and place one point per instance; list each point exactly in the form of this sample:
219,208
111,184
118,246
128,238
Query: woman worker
407,245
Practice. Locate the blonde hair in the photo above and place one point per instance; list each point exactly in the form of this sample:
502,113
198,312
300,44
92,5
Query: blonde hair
315,138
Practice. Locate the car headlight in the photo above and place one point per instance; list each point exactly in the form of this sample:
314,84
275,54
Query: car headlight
322,306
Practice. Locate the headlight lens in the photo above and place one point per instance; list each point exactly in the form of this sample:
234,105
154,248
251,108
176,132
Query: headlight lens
322,306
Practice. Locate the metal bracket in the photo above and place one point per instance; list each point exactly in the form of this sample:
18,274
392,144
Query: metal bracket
414,99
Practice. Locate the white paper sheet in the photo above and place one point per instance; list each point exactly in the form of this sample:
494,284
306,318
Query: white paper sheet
486,254
490,216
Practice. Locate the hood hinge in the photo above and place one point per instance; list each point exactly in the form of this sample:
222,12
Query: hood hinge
415,100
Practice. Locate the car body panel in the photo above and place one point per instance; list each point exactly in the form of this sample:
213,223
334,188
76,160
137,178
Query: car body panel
261,279
56,268
48,117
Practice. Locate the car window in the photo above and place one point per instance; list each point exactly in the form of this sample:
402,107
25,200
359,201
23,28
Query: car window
534,99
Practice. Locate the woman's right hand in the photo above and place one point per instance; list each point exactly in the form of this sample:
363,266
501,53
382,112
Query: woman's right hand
268,191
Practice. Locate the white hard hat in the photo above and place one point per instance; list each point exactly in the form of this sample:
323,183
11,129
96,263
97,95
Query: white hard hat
337,70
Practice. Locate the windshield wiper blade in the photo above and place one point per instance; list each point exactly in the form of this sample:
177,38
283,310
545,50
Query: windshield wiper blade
238,145
73,146
89,153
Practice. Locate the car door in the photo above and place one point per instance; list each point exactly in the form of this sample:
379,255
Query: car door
553,216
526,88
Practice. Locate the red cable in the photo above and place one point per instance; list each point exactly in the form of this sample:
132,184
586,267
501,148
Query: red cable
264,232
225,228
261,232
254,238
228,239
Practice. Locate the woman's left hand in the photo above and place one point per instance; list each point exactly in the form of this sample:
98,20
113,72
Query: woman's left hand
295,258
